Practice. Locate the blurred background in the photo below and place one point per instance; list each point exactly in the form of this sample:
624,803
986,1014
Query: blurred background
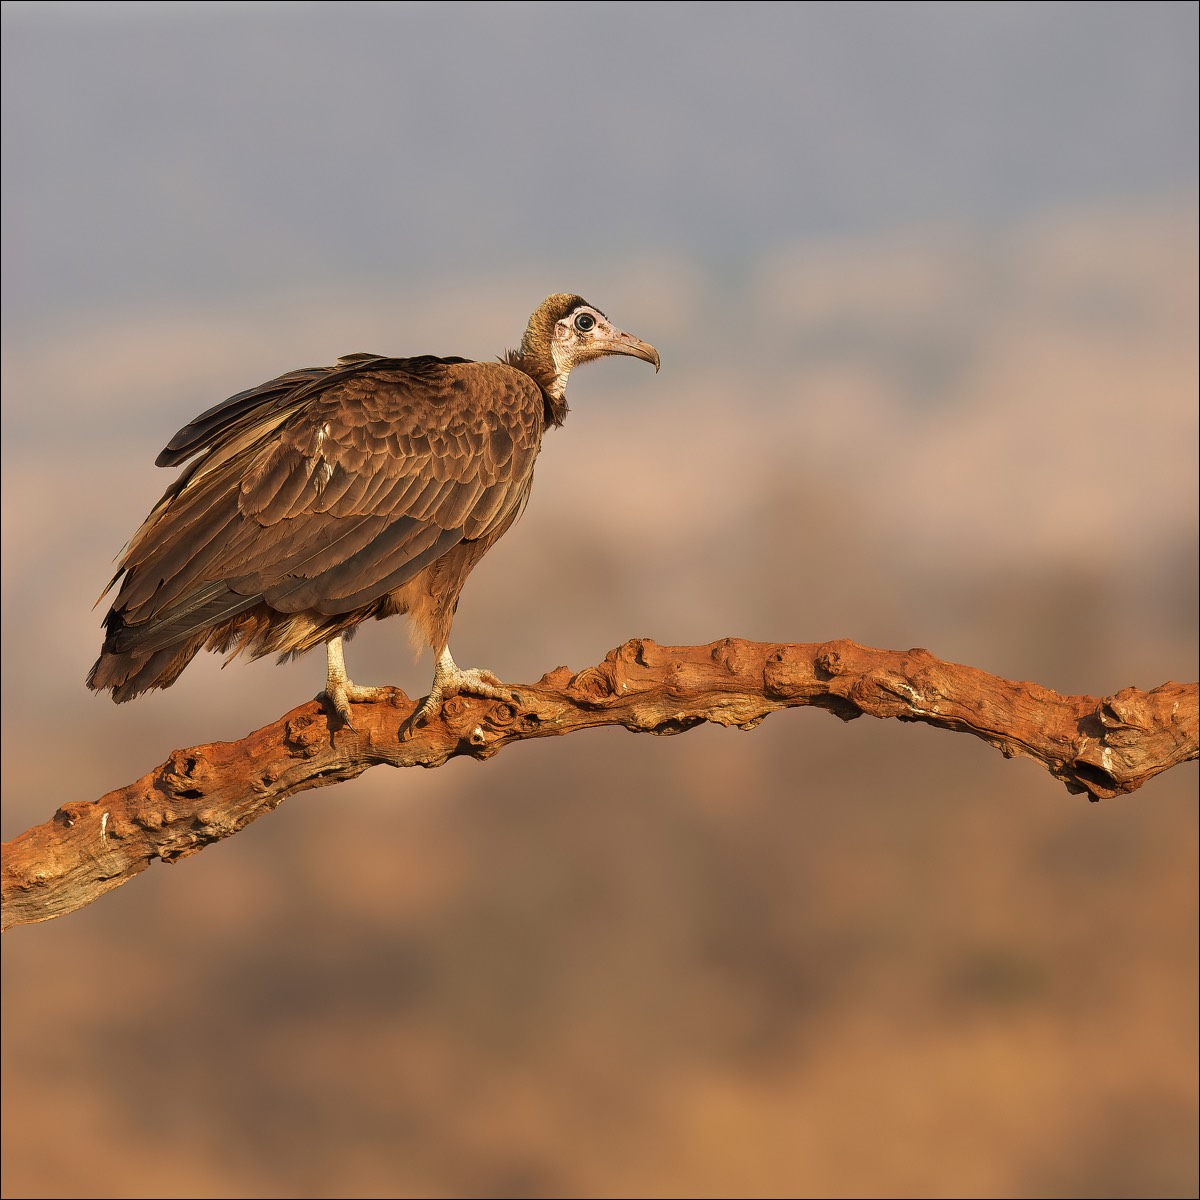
923,277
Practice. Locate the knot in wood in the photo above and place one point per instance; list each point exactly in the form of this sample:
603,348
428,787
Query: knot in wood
1125,710
788,673
154,818
303,736
828,662
185,774
499,717
733,655
595,685
837,658
1092,771
641,651
212,824
481,741
67,814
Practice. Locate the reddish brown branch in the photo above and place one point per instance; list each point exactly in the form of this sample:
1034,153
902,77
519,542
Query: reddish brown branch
1104,747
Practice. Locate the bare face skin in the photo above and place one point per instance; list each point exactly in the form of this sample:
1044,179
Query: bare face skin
585,333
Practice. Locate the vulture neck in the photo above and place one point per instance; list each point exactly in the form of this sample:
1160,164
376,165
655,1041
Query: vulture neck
537,361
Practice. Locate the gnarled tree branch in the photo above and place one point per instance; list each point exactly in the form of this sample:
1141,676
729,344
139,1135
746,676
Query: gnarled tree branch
1104,747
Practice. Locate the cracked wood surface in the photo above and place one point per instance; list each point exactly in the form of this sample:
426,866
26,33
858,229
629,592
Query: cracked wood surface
1102,746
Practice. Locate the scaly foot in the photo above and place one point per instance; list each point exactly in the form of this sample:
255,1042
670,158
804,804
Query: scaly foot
339,689
450,679
341,694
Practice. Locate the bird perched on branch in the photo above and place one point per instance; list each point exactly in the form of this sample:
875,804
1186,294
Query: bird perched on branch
335,494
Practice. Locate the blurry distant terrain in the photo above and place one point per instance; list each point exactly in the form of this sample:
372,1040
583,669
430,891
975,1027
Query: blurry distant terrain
924,282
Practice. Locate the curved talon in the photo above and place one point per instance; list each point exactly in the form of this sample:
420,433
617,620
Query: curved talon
340,695
451,680
338,704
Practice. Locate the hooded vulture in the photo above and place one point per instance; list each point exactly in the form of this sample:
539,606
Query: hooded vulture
334,494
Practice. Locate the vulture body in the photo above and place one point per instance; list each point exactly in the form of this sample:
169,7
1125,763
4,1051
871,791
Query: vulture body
336,494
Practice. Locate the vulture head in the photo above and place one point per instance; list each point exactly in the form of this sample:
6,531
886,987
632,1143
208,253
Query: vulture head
565,331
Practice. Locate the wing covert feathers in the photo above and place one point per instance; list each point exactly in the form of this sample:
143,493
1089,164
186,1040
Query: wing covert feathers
315,501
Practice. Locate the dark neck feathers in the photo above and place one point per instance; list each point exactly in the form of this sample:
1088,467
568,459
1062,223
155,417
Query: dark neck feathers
542,373
536,358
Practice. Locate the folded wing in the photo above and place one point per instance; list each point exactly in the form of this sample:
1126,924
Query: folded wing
321,492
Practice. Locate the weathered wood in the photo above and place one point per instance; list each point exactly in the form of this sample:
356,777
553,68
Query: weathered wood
1102,746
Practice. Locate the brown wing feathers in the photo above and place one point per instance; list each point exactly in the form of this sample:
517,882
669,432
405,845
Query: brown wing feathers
316,496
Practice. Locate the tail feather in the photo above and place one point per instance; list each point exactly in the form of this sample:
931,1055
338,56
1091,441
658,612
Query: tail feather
128,675
138,657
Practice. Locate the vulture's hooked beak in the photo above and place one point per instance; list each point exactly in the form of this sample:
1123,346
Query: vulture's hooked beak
626,343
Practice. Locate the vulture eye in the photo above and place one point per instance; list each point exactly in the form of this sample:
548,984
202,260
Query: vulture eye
585,322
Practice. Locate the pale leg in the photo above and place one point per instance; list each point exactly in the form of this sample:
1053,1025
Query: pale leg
449,679
338,687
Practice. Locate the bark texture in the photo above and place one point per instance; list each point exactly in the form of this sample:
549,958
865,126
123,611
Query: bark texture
1102,746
